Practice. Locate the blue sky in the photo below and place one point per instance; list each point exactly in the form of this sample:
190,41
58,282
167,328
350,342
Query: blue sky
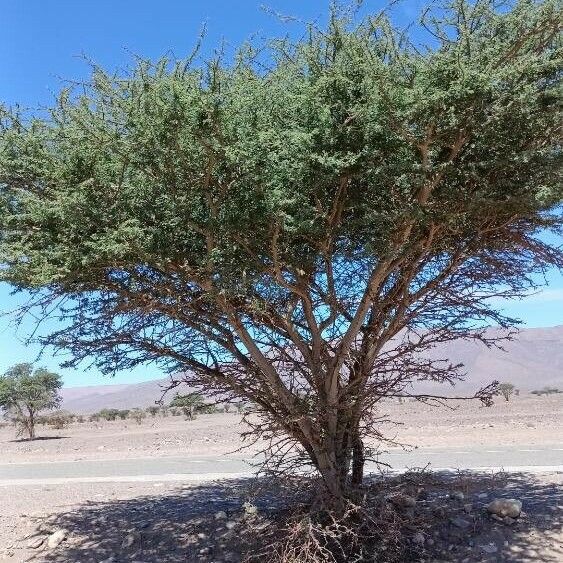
42,43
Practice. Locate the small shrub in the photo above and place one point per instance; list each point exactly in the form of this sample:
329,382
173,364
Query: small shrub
109,414
138,415
123,414
547,391
153,411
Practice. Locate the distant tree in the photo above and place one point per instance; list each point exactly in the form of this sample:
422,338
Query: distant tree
138,415
59,419
190,404
109,414
123,414
153,410
507,390
25,392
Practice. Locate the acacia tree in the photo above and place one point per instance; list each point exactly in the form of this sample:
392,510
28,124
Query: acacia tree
191,404
299,227
24,393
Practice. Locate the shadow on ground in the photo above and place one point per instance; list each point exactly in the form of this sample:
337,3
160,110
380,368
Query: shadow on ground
37,439
180,525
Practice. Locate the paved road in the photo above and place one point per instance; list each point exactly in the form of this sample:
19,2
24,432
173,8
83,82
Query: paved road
519,458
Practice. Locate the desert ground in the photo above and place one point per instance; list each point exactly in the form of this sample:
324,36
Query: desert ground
122,491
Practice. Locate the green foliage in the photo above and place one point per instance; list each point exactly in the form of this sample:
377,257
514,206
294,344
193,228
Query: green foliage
266,227
25,392
190,404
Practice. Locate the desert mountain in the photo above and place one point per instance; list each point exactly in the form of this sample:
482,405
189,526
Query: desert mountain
531,361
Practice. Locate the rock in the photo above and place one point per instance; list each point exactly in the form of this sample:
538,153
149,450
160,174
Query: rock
129,540
202,536
402,501
460,523
230,524
457,495
36,542
508,520
418,538
56,538
467,508
505,507
483,495
430,541
221,515
489,548
250,508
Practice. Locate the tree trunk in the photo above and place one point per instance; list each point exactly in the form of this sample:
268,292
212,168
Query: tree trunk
31,425
358,462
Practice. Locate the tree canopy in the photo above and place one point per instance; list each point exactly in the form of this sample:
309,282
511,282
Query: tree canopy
25,392
296,226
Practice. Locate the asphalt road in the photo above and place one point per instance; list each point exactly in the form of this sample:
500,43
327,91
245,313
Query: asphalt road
189,468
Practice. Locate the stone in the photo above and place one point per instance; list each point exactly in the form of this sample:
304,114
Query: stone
505,507
202,536
402,501
36,542
221,515
250,508
418,538
230,524
457,495
129,540
489,548
509,521
460,523
467,508
483,495
56,538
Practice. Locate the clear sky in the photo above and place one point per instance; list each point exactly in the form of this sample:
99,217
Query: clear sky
42,44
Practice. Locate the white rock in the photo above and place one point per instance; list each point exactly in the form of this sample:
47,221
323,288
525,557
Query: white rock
489,548
505,507
457,495
221,515
56,538
36,542
250,508
230,524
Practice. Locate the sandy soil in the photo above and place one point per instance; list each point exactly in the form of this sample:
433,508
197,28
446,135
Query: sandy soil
524,420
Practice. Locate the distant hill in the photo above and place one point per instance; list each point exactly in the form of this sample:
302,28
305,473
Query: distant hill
93,398
534,359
